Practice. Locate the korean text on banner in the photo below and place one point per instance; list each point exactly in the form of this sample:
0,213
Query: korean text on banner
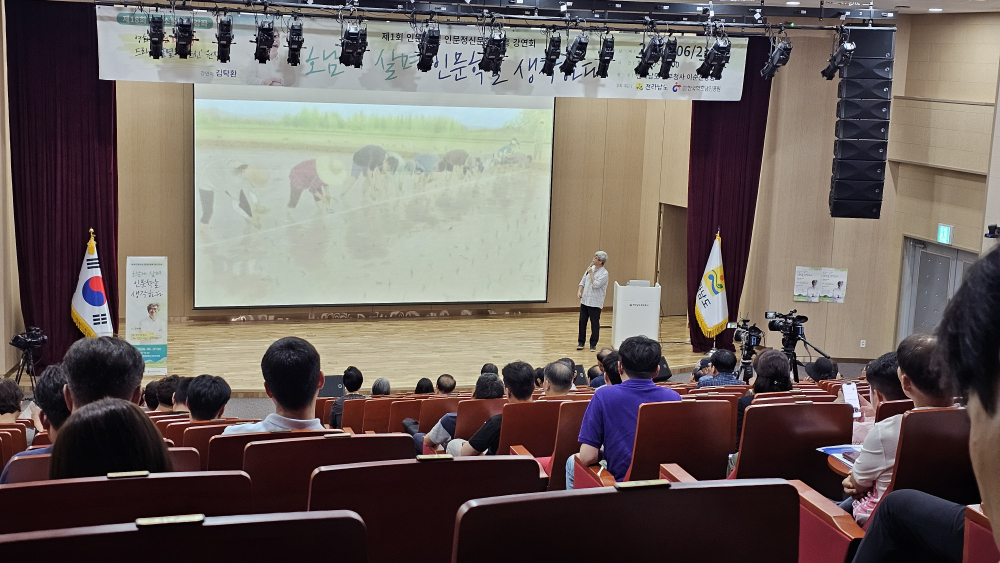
146,310
391,61
711,307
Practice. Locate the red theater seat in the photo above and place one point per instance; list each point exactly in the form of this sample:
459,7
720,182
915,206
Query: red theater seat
473,413
401,410
532,426
431,411
225,453
979,545
889,409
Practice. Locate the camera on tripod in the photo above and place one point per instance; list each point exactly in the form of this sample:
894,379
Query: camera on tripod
790,324
749,336
30,339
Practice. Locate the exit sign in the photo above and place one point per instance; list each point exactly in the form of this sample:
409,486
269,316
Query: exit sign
944,233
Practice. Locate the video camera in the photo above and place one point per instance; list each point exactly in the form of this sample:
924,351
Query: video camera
749,336
30,339
792,332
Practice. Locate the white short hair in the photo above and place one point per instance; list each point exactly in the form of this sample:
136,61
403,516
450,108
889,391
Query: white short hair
602,256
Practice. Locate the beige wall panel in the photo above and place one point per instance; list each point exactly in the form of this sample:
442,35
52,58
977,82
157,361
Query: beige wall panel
928,196
649,208
676,153
10,297
940,63
673,261
623,172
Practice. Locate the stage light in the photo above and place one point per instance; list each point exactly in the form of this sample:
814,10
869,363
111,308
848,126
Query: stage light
780,52
839,59
606,56
576,52
668,57
224,38
264,41
295,42
353,45
155,34
430,40
552,52
494,50
649,55
715,60
183,36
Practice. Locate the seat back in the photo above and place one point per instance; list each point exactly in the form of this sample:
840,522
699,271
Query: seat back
570,420
198,436
225,452
888,409
27,468
376,417
417,500
185,459
431,411
19,433
781,441
353,416
472,413
94,501
41,439
257,538
532,425
734,401
280,469
6,446
321,408
400,410
480,522
175,430
979,545
933,455
824,398
692,434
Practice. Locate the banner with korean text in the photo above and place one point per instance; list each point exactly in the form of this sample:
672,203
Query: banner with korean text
146,310
390,62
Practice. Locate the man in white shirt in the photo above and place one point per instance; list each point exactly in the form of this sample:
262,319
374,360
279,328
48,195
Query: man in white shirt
812,293
154,329
292,379
838,294
593,288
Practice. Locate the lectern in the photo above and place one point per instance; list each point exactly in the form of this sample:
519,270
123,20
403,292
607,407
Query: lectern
636,312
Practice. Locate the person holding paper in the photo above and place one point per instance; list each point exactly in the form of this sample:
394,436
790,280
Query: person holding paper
593,288
922,383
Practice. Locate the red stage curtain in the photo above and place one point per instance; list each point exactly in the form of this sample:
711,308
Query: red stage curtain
63,161
727,144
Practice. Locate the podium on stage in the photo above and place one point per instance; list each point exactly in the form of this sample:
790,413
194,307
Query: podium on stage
636,312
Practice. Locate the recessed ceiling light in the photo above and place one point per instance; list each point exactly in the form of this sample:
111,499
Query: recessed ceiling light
792,3
934,9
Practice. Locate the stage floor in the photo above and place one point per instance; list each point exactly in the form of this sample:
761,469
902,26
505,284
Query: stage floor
402,350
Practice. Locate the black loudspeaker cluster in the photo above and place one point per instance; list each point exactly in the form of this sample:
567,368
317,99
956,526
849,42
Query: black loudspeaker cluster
859,153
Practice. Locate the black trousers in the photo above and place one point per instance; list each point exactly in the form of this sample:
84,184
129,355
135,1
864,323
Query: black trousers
912,526
594,315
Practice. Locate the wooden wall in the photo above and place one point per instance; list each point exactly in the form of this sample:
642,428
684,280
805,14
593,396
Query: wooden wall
10,299
610,162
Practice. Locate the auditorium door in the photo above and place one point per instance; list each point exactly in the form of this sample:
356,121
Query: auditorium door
931,275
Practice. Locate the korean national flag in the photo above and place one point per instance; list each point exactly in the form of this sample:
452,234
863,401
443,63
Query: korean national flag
90,302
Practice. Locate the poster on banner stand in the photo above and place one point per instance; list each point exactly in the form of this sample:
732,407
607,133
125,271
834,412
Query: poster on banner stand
390,62
146,310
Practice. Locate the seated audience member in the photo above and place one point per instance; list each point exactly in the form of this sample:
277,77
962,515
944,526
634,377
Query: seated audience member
381,387
292,379
558,380
914,526
53,412
165,389
883,378
921,381
103,367
518,379
11,398
572,366
596,376
181,396
702,371
722,370
613,413
490,368
772,376
539,378
352,383
424,386
108,436
207,396
149,399
612,375
488,386
821,369
445,384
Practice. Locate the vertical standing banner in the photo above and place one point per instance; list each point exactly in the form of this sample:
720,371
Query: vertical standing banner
146,310
390,64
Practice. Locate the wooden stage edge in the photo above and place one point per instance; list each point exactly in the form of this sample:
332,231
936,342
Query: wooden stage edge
400,349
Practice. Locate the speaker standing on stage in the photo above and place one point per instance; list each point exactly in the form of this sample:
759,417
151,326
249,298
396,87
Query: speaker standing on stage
593,288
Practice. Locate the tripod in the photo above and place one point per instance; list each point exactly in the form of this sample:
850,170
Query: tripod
746,363
788,344
27,366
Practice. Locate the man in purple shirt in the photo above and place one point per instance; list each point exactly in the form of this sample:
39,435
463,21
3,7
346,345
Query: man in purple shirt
613,413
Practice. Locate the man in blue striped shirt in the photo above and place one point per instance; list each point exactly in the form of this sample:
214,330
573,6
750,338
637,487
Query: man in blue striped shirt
723,366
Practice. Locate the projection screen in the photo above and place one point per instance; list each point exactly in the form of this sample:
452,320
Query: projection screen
317,197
